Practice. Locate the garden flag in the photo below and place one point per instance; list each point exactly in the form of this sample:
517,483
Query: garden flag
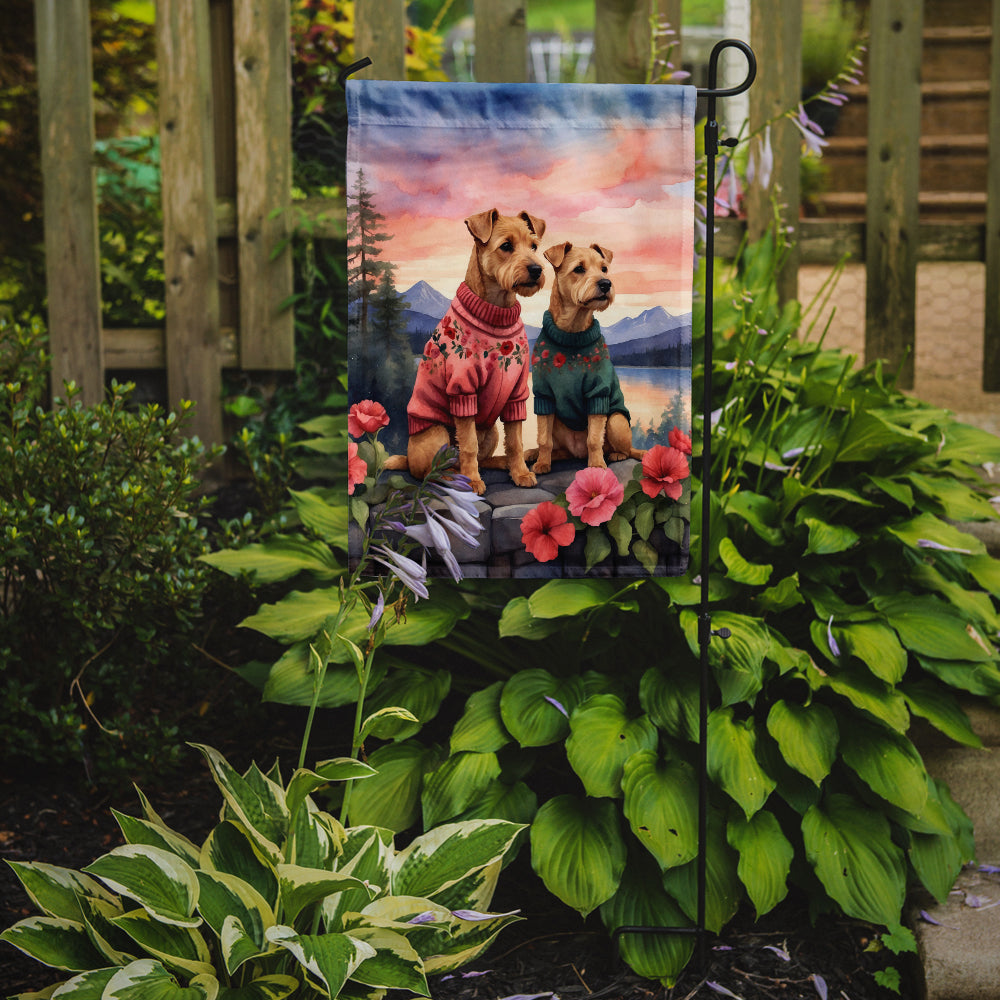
520,264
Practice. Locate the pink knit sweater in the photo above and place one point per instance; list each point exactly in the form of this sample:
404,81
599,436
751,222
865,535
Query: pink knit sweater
474,365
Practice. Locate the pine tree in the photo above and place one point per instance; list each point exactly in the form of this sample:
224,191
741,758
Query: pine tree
364,236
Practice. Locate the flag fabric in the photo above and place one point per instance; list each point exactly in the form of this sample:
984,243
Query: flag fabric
451,316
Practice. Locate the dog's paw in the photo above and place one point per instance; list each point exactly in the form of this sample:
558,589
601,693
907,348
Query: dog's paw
478,486
524,477
617,456
597,462
541,467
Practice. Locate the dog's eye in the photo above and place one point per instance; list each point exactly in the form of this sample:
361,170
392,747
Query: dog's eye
506,246
604,270
534,246
579,269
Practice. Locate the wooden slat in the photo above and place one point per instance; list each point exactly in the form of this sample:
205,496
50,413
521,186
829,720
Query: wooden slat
991,332
190,254
262,62
144,348
501,36
621,40
776,36
72,257
380,34
893,184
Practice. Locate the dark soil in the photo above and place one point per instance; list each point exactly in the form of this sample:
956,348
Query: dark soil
551,952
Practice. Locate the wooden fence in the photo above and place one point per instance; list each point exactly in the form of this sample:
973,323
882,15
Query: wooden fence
226,161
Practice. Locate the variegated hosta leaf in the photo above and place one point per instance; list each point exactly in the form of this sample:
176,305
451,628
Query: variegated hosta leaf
99,915
147,979
456,784
602,737
367,853
230,849
54,941
141,831
807,736
723,889
315,838
56,891
850,847
158,880
535,706
256,801
86,986
888,763
476,890
642,902
391,799
274,987
578,851
467,940
661,805
732,760
300,887
441,857
177,947
226,897
765,858
329,959
481,727
395,964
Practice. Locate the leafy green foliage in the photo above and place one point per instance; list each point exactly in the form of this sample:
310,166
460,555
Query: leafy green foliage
99,546
280,899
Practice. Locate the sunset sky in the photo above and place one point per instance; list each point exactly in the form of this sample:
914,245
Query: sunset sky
600,164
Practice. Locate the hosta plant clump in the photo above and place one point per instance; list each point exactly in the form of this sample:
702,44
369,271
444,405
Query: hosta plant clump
279,900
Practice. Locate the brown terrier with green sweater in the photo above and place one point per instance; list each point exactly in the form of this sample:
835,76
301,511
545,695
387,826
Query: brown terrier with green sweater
578,401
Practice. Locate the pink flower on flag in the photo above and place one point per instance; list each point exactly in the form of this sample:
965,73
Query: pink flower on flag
357,468
663,469
366,417
544,529
594,495
679,440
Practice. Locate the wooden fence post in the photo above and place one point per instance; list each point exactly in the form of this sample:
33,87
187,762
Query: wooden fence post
892,214
261,56
991,331
380,34
776,34
621,40
72,255
190,251
501,36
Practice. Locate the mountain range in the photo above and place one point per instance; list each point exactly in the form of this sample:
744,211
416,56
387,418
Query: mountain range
654,338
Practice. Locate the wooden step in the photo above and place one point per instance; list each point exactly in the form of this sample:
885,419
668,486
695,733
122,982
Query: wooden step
956,53
945,12
957,206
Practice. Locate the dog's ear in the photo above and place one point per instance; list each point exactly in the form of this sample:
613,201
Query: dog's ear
481,225
557,254
536,225
605,253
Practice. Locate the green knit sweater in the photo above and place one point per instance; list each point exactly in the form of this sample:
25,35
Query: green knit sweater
572,375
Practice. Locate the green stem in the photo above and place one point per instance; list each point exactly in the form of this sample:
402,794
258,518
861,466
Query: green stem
356,737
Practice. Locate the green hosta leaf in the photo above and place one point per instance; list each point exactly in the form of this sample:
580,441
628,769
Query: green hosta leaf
827,539
180,948
395,964
327,520
481,728
928,528
602,738
292,680
965,443
279,558
301,887
661,799
931,628
765,858
530,706
56,891
517,620
738,569
870,436
418,691
937,857
142,831
957,501
876,646
260,809
783,595
440,858
941,709
986,571
331,959
559,598
456,784
850,848
888,763
516,803
975,605
578,851
274,987
807,736
304,782
147,979
864,691
758,511
230,849
976,678
159,881
732,760
723,889
738,661
641,901
671,700
391,798
226,898
54,941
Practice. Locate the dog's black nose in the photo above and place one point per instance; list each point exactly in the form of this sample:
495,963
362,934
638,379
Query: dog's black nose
534,271
604,285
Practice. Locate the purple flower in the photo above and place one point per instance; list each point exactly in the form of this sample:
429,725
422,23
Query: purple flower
377,612
427,917
927,543
475,915
761,164
719,988
834,648
811,132
552,701
780,952
820,983
412,574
